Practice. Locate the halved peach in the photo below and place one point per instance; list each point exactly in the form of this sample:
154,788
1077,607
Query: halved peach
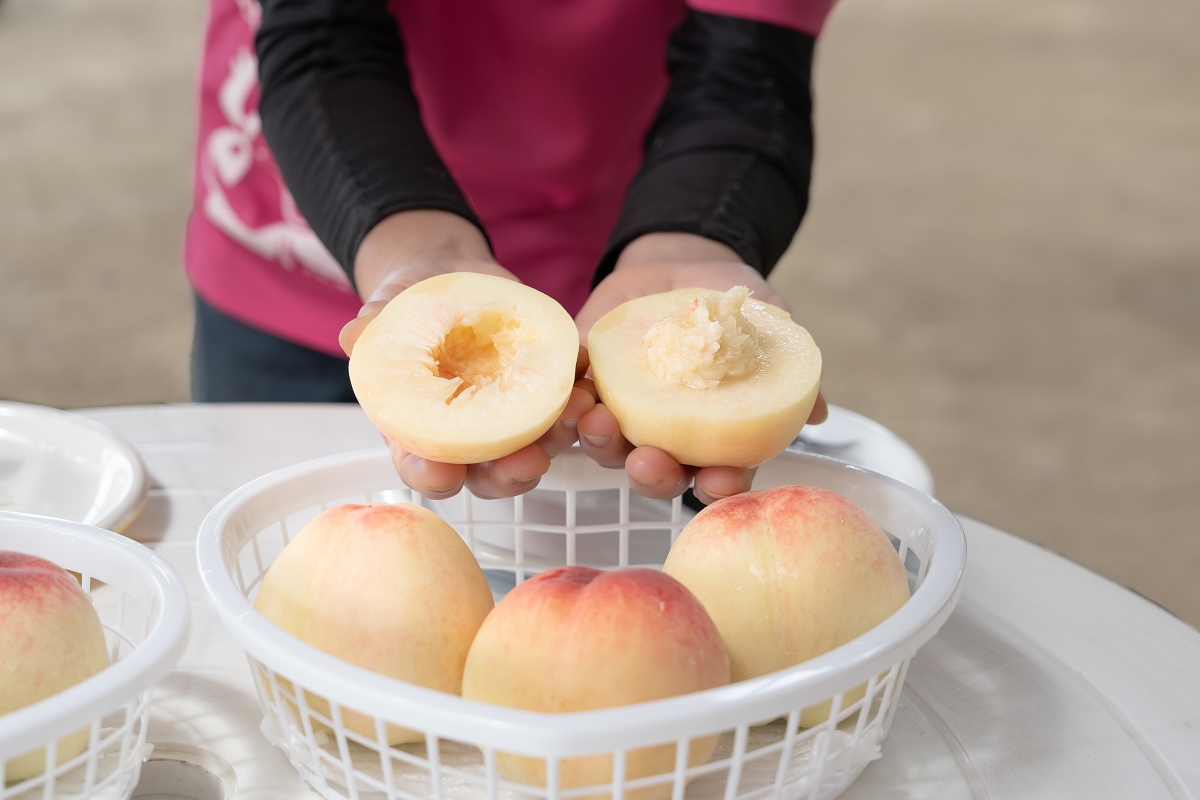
712,379
465,368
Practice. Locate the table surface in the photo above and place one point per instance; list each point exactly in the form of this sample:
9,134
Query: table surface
1048,681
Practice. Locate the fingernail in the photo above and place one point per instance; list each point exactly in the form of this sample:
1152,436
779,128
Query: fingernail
524,485
595,441
571,424
646,483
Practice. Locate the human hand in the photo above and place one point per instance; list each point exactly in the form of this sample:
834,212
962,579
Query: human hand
407,248
663,262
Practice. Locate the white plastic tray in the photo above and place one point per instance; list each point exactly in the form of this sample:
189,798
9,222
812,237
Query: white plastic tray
64,465
856,439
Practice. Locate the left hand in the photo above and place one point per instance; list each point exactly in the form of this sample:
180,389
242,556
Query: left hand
654,263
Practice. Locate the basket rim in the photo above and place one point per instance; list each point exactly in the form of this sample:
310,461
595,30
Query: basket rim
576,733
75,707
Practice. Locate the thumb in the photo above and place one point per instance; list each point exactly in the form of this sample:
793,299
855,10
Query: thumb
354,328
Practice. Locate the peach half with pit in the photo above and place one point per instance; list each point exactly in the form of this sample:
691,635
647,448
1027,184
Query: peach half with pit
578,639
50,640
465,368
713,379
787,574
390,588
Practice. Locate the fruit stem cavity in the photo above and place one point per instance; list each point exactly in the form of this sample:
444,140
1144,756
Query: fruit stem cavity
480,351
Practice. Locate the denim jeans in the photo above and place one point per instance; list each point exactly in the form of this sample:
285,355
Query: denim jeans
234,363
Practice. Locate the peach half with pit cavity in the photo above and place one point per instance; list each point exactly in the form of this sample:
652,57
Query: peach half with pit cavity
465,368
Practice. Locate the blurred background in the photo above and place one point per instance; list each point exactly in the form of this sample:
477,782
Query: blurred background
1001,261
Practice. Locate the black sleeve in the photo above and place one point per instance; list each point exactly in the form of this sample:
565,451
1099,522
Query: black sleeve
729,156
341,119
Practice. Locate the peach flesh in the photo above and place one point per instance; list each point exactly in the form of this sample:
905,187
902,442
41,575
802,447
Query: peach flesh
576,639
50,640
465,368
788,574
391,588
710,378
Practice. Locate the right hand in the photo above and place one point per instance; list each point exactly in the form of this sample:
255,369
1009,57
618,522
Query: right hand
403,250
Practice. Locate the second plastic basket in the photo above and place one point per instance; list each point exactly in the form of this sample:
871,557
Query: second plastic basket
581,514
144,610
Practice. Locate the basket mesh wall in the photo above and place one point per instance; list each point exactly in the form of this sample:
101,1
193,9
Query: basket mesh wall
111,760
512,539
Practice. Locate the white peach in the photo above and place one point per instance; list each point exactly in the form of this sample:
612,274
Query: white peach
711,378
576,639
50,640
390,588
465,368
788,574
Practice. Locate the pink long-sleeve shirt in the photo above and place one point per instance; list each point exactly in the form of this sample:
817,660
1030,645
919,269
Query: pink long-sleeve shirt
523,103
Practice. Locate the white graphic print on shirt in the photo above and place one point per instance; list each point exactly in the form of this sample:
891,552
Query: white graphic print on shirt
227,157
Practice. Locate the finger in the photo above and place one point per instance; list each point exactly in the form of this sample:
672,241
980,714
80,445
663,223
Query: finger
589,386
354,328
565,430
601,440
714,483
653,473
583,362
607,296
435,480
820,411
777,301
592,310
508,476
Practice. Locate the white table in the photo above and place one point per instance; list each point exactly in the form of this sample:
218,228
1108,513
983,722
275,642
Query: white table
1047,682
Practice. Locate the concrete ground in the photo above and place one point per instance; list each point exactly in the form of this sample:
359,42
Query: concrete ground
1001,261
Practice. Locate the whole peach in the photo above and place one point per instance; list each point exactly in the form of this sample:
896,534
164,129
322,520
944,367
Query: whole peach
50,640
576,639
391,588
788,574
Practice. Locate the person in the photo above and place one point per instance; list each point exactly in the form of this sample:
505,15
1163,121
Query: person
598,150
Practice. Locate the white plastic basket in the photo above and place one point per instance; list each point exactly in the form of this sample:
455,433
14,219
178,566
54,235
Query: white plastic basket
584,514
144,609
